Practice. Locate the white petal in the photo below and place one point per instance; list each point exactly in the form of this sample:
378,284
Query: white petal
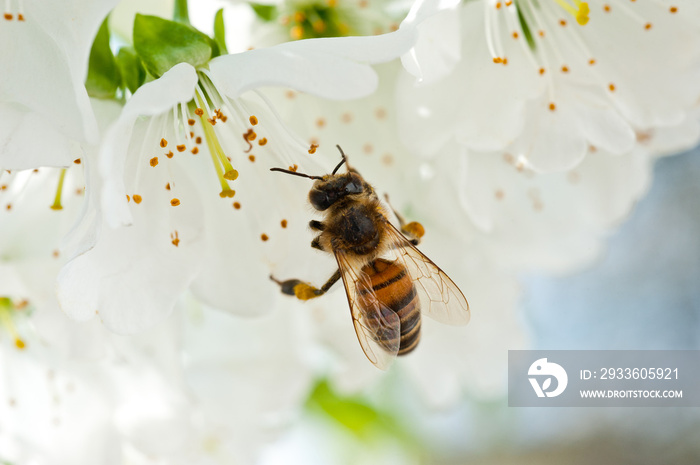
53,43
174,86
552,140
177,85
437,49
134,275
30,141
675,139
334,68
605,128
85,231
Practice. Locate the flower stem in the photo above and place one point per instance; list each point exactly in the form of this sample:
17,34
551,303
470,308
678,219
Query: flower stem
59,190
180,12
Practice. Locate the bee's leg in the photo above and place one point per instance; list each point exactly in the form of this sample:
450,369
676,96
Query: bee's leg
414,231
305,291
316,244
317,225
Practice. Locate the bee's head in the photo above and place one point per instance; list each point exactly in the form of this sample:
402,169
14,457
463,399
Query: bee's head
333,187
330,188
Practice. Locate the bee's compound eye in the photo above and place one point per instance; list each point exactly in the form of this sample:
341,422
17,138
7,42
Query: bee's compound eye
319,199
354,185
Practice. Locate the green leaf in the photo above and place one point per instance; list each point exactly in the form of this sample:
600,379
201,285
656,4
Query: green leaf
103,77
265,12
354,414
133,72
220,31
161,44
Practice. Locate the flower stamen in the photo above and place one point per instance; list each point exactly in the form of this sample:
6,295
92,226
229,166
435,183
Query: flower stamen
8,10
579,10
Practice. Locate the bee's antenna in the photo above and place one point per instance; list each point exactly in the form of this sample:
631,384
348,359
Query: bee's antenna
345,158
301,175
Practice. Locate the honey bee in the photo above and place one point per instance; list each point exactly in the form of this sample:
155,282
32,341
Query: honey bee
388,281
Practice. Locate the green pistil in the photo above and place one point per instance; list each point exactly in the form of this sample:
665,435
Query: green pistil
59,190
7,308
224,170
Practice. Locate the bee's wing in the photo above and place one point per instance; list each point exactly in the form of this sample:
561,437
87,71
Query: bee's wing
378,328
440,298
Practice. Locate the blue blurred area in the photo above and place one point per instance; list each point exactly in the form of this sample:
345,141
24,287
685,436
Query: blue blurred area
644,293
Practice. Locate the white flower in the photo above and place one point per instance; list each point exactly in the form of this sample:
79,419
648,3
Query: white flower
53,411
534,82
39,207
184,145
553,221
43,102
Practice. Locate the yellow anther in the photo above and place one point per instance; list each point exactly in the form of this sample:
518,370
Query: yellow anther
582,13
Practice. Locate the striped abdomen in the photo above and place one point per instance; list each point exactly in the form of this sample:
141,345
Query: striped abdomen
393,287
